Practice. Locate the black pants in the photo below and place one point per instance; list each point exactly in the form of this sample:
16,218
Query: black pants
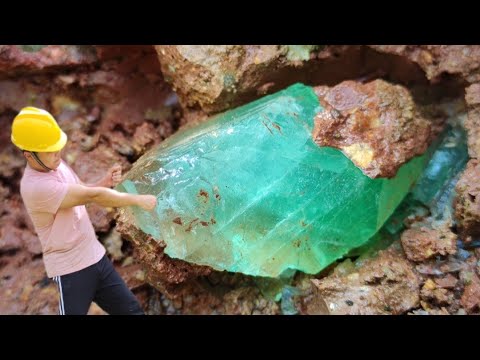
100,283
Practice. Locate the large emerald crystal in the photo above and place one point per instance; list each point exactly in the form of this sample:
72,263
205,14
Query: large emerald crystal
249,191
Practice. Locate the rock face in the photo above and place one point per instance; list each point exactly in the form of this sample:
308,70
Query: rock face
440,62
215,78
472,124
437,60
376,124
286,203
386,284
471,296
467,203
33,59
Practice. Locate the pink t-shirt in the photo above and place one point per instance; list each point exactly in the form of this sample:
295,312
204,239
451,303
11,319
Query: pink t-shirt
69,242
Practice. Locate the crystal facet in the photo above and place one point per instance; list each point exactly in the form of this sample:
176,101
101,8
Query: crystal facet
249,191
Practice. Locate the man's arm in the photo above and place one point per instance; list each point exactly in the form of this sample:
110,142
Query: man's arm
82,195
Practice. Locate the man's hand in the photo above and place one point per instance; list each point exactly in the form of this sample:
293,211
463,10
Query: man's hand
113,177
147,202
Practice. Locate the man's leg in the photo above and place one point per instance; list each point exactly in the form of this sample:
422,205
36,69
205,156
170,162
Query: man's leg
76,291
113,295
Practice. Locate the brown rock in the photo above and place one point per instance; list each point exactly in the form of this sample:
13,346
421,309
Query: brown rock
241,301
472,124
447,282
459,60
15,94
217,77
422,243
16,228
386,284
101,217
471,296
145,137
24,286
92,166
442,311
436,295
377,125
467,201
22,59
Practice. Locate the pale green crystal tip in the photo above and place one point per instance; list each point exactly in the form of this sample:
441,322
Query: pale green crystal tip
249,191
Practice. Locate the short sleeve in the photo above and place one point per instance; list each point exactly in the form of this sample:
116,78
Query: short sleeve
46,196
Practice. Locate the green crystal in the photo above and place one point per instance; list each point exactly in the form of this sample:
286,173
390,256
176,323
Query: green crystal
436,187
249,191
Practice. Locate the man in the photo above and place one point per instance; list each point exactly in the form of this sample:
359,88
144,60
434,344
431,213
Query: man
55,199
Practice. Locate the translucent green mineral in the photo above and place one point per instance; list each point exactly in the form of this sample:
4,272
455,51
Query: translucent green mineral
249,191
436,186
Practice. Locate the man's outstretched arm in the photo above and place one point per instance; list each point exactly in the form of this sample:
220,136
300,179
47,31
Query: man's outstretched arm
78,195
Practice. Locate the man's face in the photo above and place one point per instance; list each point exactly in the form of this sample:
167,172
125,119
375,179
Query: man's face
51,159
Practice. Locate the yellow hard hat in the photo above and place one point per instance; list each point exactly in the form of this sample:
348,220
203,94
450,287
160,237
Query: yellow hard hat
36,130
